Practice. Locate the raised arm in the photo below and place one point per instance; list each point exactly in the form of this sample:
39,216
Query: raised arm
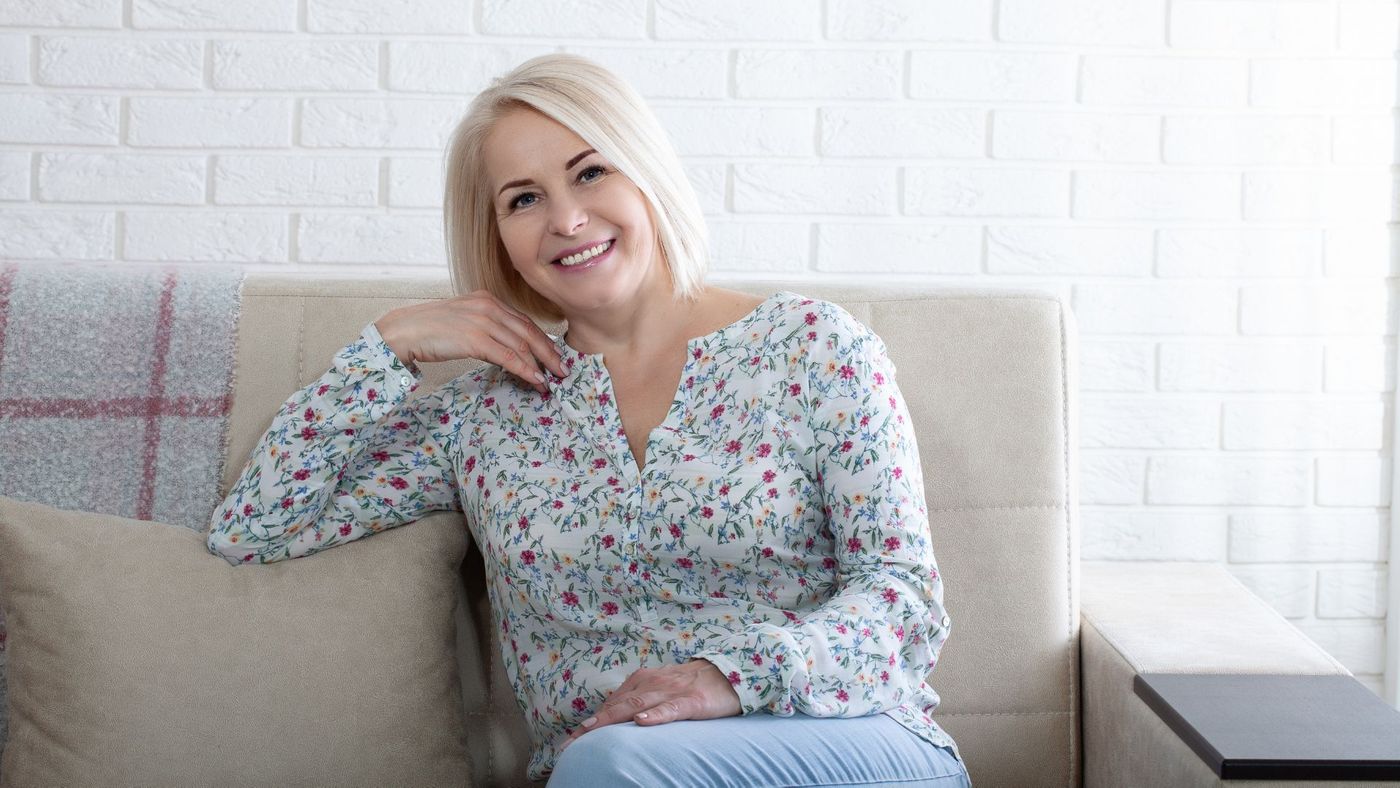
344,458
875,640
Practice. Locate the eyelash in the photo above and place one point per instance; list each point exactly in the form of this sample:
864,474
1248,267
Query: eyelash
512,206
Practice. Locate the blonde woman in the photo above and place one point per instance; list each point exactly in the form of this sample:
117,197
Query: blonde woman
701,512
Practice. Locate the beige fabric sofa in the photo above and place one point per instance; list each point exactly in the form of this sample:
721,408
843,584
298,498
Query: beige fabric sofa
1036,678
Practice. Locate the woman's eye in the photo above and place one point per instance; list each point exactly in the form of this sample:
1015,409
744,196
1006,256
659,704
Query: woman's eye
515,203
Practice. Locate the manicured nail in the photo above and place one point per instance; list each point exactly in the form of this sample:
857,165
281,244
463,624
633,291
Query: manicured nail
590,722
642,716
539,376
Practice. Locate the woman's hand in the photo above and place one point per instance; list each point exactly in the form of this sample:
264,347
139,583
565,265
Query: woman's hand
694,690
477,325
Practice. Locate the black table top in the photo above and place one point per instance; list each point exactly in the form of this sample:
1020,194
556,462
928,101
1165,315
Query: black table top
1279,727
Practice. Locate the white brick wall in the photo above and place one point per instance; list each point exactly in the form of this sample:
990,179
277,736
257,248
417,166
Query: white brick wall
1208,181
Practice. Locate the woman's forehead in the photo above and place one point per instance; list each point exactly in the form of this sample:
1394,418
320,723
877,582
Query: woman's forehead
527,143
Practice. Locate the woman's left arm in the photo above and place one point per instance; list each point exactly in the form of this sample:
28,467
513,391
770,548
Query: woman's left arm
873,643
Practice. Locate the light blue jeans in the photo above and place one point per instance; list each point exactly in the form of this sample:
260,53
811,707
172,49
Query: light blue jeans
757,750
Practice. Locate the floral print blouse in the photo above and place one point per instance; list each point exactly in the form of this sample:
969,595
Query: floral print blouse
777,529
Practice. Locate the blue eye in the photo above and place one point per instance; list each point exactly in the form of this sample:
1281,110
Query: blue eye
515,203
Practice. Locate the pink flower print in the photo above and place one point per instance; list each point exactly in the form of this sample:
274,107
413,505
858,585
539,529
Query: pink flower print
811,335
769,476
864,420
898,472
400,425
580,705
609,608
853,544
828,562
527,557
444,418
684,563
380,456
309,415
706,512
753,362
846,446
571,599
791,616
767,552
398,483
523,523
794,389
885,676
696,353
247,510
719,385
558,504
764,449
608,540
675,531
545,421
810,318
598,466
307,433
345,529
286,503
757,658
322,390
724,489
716,412
733,677
371,395
489,401
890,595
842,696
604,398
842,628
567,675
568,454
471,463
892,543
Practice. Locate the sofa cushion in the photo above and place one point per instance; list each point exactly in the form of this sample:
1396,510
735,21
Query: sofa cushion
138,658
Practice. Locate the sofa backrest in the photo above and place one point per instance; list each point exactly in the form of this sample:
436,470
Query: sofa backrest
989,378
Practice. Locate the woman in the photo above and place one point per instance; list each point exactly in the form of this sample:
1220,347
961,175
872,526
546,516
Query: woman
700,512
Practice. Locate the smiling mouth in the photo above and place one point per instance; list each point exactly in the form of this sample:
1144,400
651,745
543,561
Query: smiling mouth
597,250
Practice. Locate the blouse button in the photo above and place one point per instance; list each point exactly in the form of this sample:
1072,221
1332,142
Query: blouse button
403,379
945,622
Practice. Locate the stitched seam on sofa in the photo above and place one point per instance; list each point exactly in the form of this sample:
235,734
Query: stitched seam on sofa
1000,508
1069,529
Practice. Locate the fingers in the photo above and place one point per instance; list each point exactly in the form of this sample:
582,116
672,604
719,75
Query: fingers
540,343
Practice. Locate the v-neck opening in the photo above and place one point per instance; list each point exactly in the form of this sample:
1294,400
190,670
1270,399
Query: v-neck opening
603,377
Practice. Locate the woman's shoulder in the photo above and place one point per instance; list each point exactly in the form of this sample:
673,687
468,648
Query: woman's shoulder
819,325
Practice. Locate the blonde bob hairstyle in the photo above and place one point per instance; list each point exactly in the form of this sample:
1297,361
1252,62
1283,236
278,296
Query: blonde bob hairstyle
613,119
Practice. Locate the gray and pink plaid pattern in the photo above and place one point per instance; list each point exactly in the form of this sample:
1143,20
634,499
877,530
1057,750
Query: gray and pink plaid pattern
116,384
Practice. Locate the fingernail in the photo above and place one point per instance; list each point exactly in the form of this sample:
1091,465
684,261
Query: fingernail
539,376
590,722
642,716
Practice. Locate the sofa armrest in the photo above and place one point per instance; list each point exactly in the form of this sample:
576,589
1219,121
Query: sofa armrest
1167,617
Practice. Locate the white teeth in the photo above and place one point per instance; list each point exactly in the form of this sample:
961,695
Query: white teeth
587,254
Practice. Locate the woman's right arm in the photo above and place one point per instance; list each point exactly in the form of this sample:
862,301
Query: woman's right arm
344,458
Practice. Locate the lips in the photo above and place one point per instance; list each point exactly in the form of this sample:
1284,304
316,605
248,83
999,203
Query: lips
577,249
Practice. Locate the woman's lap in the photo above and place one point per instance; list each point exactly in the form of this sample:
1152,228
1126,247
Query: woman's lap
758,750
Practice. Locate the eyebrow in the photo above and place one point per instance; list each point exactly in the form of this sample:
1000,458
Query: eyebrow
567,167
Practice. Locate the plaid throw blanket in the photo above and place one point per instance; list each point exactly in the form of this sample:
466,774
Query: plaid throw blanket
115,390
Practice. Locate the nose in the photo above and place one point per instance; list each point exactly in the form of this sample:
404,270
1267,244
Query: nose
566,215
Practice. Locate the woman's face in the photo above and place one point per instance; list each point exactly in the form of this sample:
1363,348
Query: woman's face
553,198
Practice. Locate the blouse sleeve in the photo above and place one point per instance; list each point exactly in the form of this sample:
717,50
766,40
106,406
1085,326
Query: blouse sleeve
873,643
344,458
